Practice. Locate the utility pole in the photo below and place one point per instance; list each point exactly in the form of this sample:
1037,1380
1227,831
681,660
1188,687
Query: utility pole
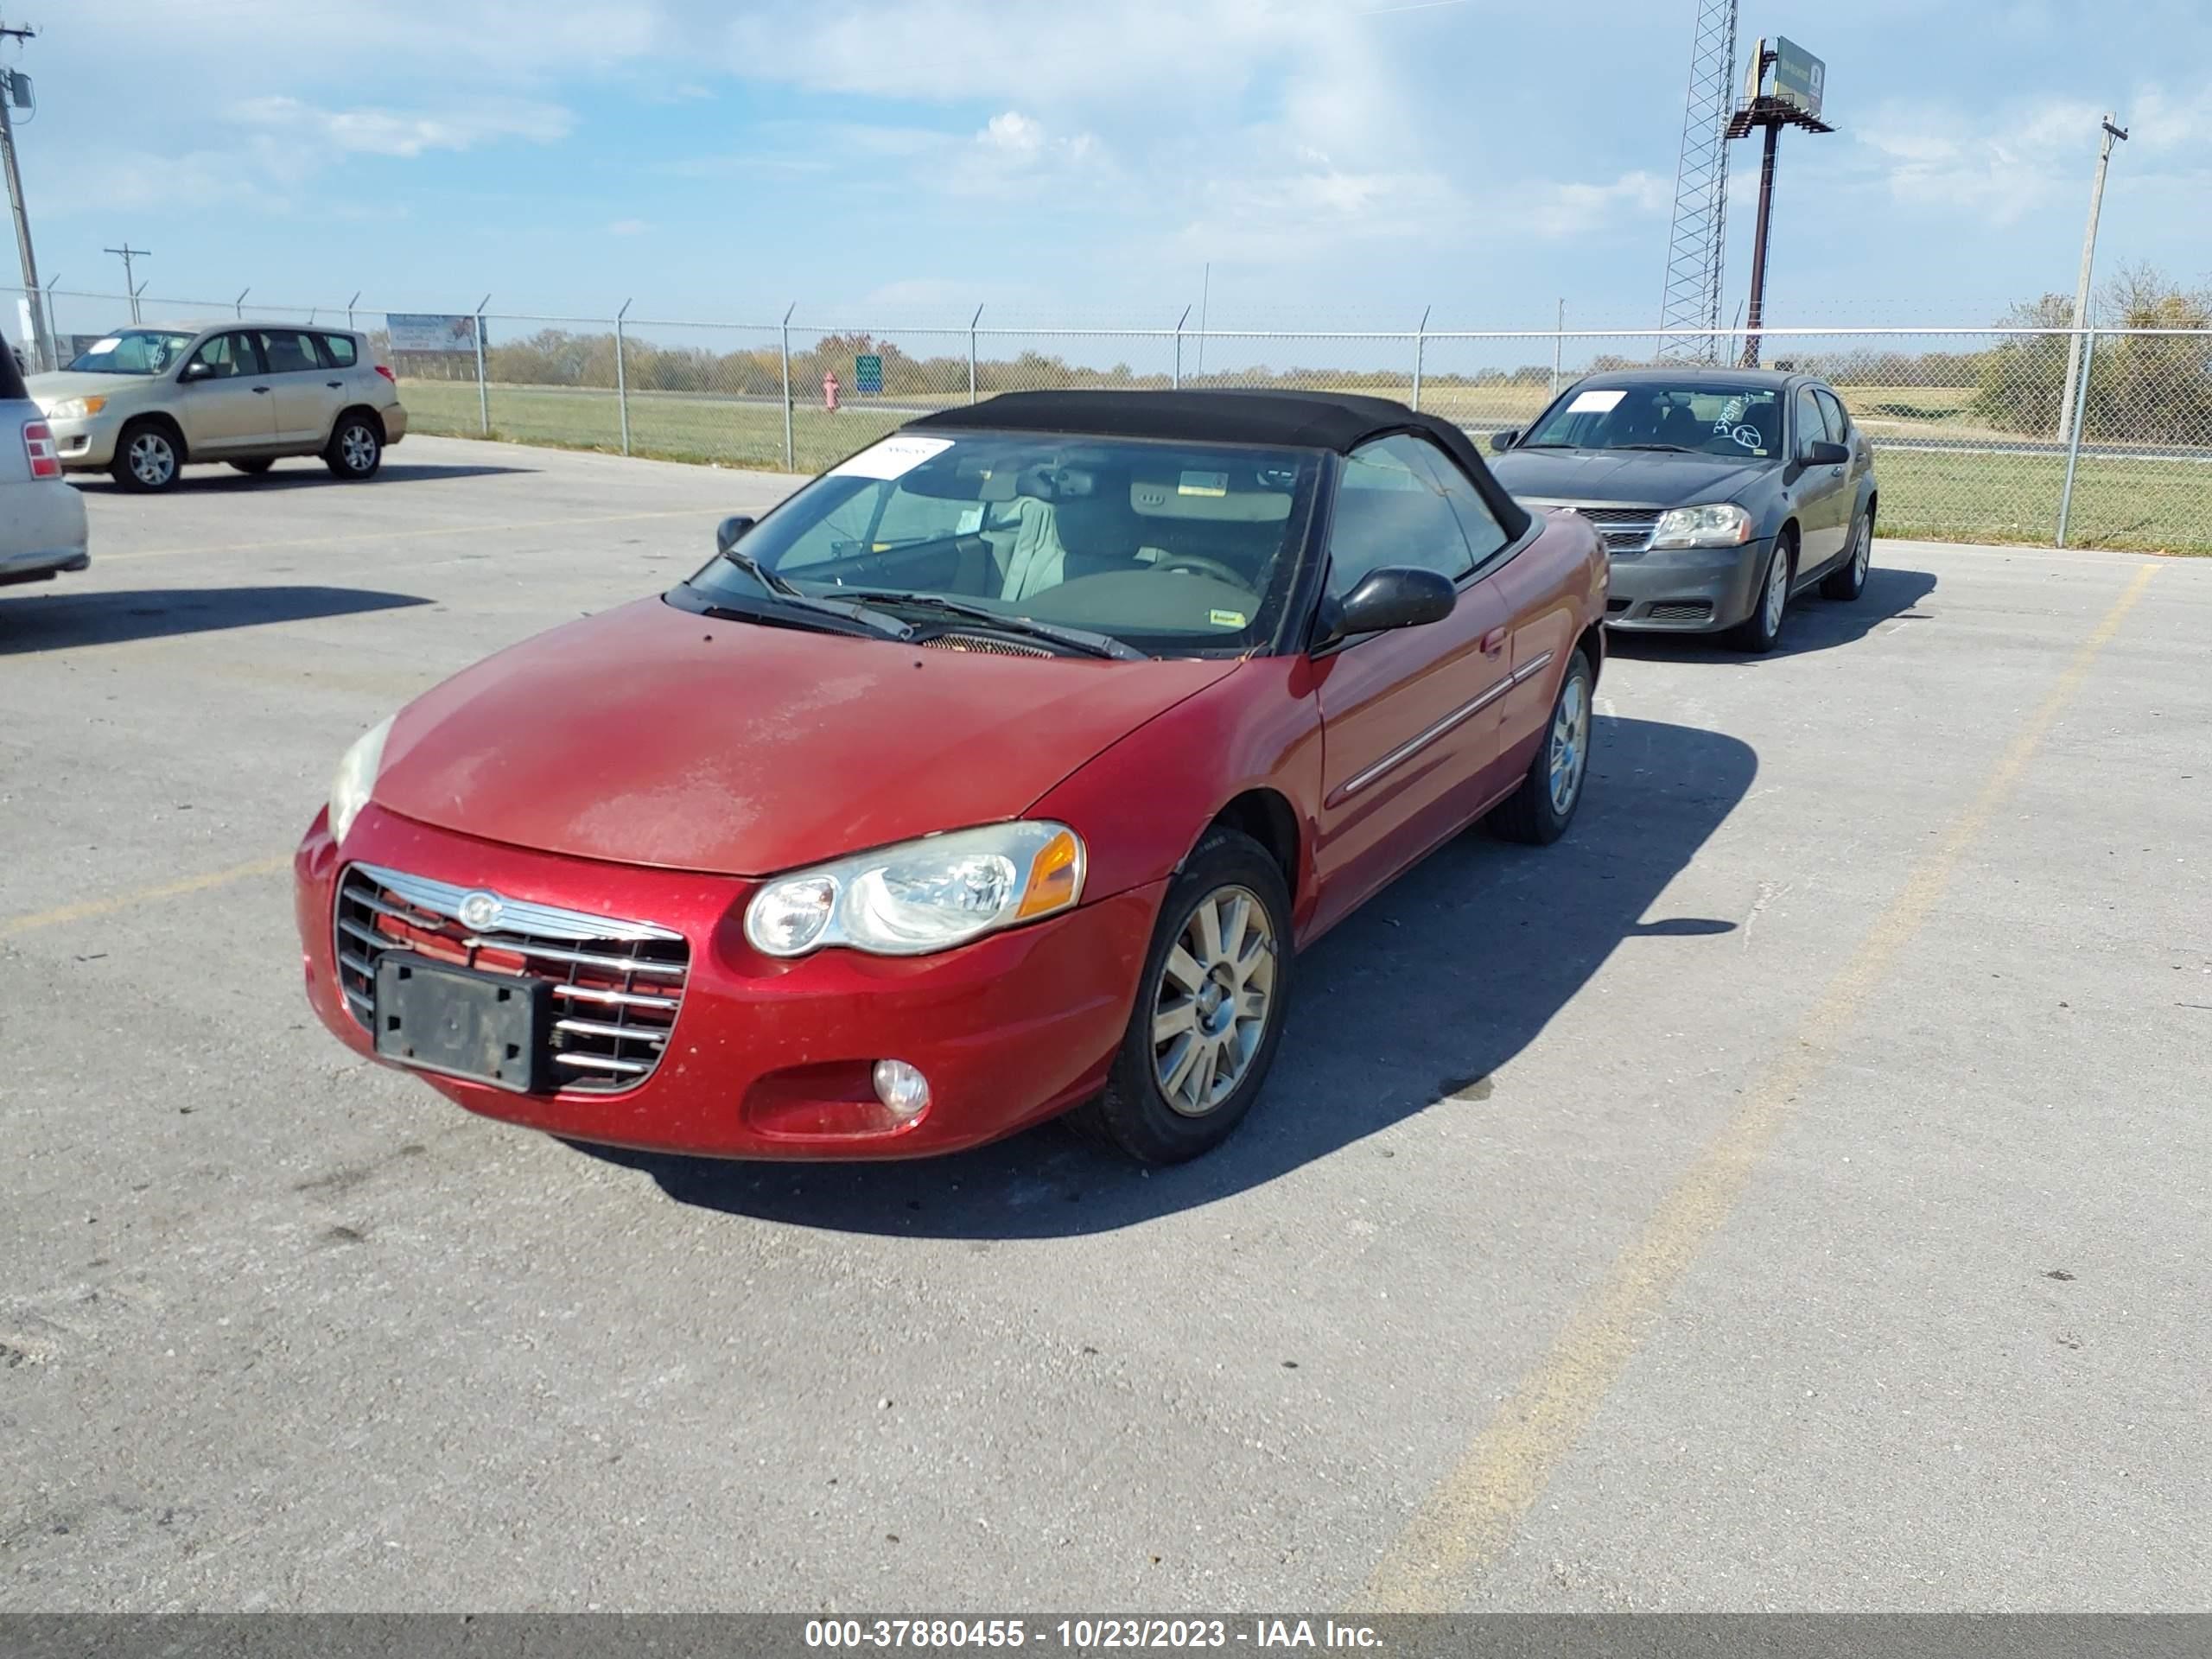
127,253
39,345
2081,288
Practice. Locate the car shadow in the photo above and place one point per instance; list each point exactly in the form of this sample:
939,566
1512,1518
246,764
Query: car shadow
56,621
305,472
1415,1002
1813,623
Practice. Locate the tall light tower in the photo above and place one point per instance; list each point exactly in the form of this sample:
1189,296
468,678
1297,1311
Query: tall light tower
1697,245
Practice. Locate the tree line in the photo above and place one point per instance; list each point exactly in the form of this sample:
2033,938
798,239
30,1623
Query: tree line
2142,389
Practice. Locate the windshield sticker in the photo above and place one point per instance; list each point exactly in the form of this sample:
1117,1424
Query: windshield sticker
101,346
1226,618
1205,484
893,458
1595,402
1750,438
970,522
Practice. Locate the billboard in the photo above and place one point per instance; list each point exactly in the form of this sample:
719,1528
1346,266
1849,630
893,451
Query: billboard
414,333
1799,77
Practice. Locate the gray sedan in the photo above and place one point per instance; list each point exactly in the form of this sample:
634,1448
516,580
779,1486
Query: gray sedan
1721,493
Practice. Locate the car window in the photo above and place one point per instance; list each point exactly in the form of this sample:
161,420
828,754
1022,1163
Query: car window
838,533
1831,406
1477,522
1392,509
289,352
228,356
1811,428
11,376
339,348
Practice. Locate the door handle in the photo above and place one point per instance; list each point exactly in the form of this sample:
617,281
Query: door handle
335,386
1493,642
261,392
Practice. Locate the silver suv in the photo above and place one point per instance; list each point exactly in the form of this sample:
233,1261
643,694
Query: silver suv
42,518
145,400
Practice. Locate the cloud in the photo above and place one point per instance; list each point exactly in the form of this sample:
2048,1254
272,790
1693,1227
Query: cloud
371,131
1997,169
1562,210
1014,134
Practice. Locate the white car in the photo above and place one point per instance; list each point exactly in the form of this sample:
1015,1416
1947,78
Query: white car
145,401
42,518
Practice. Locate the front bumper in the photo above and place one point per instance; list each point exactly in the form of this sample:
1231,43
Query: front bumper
87,445
771,1059
1685,590
41,530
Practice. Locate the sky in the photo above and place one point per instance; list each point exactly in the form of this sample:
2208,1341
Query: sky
885,162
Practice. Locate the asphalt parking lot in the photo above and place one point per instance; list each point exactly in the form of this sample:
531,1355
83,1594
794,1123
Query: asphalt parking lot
1790,1191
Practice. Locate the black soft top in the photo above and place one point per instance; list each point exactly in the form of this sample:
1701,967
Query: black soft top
1341,422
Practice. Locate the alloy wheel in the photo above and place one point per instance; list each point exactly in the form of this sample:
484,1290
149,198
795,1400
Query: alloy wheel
1777,590
153,461
1213,1002
357,448
1567,752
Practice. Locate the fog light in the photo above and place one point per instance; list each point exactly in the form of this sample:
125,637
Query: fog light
901,1088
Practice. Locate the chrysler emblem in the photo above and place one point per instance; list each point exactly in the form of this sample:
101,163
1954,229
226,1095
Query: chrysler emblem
481,912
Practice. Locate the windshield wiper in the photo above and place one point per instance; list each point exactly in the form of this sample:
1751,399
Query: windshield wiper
1082,639
760,573
1670,448
800,610
1548,446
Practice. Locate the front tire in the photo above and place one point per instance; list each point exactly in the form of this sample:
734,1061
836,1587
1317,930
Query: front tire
356,449
1848,580
1758,632
1210,1009
1539,811
146,458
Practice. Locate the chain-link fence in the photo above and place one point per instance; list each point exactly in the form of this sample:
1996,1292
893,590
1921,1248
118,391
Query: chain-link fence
2101,437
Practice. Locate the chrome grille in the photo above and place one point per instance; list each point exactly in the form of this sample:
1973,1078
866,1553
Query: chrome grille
617,985
983,644
1624,530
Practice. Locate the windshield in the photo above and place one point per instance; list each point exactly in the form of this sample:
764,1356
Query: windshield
1743,422
134,351
1174,548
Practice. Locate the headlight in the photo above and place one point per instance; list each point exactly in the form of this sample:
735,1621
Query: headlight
1723,524
76,408
357,776
923,895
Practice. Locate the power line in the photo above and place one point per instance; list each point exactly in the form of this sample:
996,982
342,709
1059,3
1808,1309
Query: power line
127,253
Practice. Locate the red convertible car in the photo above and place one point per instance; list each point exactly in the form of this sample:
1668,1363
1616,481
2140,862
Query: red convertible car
1001,770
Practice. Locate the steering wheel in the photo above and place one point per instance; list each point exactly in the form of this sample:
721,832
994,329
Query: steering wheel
1191,563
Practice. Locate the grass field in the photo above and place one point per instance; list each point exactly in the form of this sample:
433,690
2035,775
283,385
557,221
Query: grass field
2162,507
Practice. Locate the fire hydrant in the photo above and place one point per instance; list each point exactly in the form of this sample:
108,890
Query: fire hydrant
829,391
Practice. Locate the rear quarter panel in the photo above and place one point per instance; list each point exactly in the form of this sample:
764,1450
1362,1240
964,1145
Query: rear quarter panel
1142,803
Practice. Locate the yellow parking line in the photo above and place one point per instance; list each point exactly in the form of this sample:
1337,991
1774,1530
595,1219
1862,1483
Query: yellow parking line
406,535
93,907
1470,1517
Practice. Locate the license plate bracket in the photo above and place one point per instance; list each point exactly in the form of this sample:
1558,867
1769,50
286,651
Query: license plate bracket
488,1028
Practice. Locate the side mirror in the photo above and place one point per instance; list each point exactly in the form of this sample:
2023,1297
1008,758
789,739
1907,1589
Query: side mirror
1396,596
1504,441
1821,453
727,532
197,370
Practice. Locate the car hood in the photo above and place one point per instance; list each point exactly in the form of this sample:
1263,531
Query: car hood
1641,477
652,735
47,390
